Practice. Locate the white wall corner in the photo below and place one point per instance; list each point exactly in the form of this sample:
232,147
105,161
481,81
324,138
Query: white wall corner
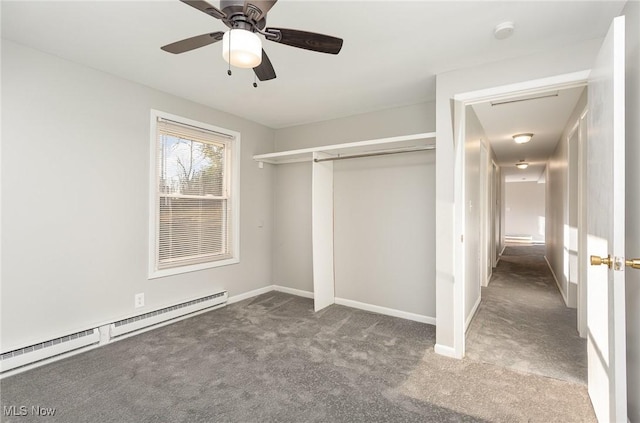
250,294
293,291
387,311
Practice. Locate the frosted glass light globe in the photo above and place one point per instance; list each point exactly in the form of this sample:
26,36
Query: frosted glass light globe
522,138
241,48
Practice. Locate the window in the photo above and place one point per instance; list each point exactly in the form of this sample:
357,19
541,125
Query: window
194,196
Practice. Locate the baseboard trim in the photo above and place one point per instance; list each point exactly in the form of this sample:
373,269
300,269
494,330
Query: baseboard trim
234,299
293,291
504,247
555,278
250,294
362,306
386,311
445,351
472,314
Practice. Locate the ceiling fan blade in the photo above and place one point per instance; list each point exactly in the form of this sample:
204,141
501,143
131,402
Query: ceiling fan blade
264,71
205,7
257,9
193,42
306,40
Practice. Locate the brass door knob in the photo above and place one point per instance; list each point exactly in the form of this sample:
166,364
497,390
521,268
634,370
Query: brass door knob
608,261
605,261
633,263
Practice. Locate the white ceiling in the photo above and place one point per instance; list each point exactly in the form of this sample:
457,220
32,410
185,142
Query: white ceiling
545,115
392,49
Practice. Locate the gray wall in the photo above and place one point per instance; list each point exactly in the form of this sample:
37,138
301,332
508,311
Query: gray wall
75,181
381,124
525,211
292,258
557,207
632,12
475,137
556,184
384,231
384,236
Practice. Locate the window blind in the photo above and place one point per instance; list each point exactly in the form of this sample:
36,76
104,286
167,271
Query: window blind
193,187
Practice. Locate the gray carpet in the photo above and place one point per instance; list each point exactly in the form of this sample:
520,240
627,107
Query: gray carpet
522,322
272,359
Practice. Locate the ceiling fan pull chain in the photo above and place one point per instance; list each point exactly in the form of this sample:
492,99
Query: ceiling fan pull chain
255,83
229,70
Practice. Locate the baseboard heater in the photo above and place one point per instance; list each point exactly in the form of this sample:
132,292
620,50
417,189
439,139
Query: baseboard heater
66,344
152,318
38,352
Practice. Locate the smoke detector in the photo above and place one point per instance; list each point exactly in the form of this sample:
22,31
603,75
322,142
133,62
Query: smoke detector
503,30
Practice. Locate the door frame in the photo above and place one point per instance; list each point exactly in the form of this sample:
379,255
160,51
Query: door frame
579,130
495,214
583,264
485,193
460,101
573,155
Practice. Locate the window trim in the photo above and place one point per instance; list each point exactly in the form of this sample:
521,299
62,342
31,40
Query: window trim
154,209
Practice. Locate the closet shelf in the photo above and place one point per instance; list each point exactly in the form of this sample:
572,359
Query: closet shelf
408,142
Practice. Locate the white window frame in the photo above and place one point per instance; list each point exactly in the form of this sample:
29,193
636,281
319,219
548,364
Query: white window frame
233,159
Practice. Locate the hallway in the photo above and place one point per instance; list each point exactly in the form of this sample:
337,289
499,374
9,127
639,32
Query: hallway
522,322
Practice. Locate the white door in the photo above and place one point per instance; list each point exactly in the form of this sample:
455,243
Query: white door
605,230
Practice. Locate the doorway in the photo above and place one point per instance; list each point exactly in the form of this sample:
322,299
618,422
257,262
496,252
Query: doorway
548,172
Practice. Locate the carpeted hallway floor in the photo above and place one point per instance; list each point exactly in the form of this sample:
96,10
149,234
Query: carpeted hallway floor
272,359
522,322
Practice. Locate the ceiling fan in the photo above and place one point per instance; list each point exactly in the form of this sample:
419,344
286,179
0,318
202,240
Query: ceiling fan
241,45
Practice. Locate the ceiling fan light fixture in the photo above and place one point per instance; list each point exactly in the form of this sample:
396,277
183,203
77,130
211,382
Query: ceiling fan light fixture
242,48
522,138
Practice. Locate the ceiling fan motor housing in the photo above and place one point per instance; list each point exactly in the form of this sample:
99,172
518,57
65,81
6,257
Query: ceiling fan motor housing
236,18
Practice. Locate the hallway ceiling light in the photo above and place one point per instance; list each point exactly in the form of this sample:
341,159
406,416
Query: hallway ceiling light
522,138
522,164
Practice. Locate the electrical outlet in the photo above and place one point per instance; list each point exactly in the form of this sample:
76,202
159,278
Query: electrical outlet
139,300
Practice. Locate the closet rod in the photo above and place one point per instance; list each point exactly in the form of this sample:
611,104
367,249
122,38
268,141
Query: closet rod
377,153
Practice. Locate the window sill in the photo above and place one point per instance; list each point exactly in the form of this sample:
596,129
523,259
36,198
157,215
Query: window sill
155,274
